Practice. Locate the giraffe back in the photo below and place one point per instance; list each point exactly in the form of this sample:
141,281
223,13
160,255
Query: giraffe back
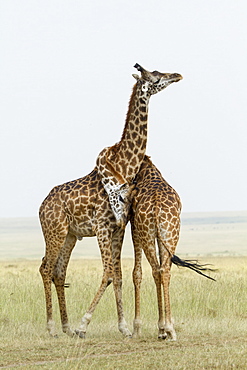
80,207
156,206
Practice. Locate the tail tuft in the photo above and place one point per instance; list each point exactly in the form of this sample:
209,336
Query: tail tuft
193,265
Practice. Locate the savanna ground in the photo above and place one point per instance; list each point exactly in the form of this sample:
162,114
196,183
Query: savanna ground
210,317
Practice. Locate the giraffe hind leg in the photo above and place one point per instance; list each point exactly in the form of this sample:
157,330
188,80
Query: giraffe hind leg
59,275
46,277
150,252
137,279
165,276
46,270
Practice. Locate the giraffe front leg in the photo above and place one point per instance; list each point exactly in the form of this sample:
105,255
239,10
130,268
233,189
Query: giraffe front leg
117,281
122,324
86,319
104,240
123,328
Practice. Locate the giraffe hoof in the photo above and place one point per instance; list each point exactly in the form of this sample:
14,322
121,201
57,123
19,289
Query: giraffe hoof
126,337
80,334
162,336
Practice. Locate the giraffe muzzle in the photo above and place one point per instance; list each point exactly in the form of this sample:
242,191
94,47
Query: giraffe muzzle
175,77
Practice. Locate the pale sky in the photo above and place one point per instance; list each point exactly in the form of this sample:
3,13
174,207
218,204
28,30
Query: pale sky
66,78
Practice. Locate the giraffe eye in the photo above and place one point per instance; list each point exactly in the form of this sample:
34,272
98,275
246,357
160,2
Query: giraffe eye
121,198
155,83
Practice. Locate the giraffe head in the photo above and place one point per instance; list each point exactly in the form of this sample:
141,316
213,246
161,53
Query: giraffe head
153,82
120,197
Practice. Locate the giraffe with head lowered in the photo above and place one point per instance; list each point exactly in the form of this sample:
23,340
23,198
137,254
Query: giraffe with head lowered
71,211
119,164
81,208
155,215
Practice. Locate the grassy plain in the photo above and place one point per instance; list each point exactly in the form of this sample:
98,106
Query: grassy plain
210,317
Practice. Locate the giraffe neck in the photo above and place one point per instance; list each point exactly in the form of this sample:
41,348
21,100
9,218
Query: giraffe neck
118,165
129,152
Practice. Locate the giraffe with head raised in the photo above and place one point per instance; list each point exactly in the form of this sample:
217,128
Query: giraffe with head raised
155,215
119,164
81,208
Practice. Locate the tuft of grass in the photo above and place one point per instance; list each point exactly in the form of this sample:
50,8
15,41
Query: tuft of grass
210,319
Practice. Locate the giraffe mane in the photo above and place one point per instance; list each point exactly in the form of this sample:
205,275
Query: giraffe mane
115,147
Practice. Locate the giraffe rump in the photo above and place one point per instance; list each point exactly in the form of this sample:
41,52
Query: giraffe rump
193,265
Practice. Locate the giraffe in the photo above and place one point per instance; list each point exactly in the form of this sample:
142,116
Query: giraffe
119,164
71,211
155,215
81,208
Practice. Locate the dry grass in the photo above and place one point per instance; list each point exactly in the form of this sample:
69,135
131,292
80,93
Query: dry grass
210,318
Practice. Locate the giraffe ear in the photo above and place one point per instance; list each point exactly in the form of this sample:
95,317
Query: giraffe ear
136,76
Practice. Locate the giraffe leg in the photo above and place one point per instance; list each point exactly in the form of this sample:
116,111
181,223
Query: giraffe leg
46,271
107,243
117,241
104,240
137,278
106,280
59,275
150,252
165,281
165,245
161,321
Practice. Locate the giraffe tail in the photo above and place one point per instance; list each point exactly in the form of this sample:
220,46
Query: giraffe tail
193,265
